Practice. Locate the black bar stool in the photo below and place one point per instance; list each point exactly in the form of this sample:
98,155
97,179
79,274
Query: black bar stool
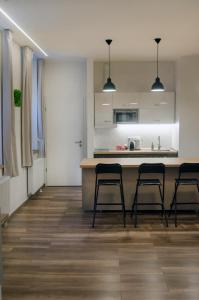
184,168
150,168
108,169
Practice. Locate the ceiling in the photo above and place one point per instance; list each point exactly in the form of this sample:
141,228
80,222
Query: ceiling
78,28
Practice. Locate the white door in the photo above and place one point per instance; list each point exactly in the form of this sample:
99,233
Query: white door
64,88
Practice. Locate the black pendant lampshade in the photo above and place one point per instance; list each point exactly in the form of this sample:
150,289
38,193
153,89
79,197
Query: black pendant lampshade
157,85
109,86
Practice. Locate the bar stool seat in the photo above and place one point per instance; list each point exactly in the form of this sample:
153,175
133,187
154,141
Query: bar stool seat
108,181
149,182
148,168
184,168
116,170
187,181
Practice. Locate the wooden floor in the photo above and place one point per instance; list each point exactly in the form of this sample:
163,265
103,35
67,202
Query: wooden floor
51,252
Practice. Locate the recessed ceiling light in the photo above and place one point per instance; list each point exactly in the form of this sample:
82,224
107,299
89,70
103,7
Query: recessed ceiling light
22,31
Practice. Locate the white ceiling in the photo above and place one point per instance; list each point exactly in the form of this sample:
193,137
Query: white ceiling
78,28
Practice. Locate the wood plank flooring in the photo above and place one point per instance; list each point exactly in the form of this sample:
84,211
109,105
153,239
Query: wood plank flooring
51,252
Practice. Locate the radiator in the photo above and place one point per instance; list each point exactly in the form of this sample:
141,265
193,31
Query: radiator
4,194
36,176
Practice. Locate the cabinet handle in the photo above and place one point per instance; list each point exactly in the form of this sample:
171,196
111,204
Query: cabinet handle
157,120
106,121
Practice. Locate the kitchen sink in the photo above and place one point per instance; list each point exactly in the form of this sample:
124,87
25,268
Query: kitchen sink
163,149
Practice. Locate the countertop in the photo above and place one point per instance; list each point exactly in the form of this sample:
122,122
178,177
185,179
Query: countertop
141,151
135,162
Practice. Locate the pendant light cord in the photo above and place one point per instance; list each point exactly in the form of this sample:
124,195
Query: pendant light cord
157,59
109,57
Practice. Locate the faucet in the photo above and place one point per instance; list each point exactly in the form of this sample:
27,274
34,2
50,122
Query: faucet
159,145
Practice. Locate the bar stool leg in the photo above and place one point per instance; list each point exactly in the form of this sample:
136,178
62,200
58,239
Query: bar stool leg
162,206
172,203
133,203
95,204
135,207
161,198
198,192
123,204
175,206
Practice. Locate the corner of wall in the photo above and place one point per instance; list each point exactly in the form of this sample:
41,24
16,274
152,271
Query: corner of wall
90,108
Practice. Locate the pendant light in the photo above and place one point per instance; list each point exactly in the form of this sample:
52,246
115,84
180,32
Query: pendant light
109,85
157,85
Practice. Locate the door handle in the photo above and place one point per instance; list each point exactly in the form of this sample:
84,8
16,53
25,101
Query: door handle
79,142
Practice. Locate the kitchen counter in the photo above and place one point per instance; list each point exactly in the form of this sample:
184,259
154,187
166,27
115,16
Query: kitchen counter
144,152
130,174
135,162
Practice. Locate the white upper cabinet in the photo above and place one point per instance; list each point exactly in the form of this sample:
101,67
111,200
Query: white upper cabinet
126,100
157,107
153,107
157,99
104,110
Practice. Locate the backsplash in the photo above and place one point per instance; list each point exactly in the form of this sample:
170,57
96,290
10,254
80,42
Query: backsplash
109,138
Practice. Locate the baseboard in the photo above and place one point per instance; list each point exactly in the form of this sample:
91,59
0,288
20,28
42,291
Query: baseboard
35,194
62,186
3,219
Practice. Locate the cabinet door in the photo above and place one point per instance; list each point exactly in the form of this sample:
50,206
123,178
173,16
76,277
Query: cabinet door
104,110
126,100
157,107
154,99
155,116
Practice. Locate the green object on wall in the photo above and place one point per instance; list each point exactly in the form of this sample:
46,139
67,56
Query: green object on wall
18,97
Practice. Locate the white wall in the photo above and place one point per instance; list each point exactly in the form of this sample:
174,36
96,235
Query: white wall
130,76
109,138
90,107
187,95
135,77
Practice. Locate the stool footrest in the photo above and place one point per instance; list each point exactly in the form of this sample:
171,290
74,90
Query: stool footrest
145,203
187,203
109,203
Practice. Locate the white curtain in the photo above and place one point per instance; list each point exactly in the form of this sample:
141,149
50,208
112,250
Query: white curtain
9,138
40,108
26,115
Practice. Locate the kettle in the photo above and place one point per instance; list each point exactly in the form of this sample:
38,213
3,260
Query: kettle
132,146
137,142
